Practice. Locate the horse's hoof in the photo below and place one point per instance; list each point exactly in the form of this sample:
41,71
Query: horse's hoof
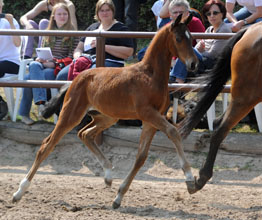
108,182
191,186
16,198
116,205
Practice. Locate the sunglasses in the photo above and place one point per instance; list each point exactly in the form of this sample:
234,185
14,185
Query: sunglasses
212,13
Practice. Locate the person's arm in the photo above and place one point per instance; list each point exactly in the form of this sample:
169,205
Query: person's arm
79,50
254,16
72,12
16,39
24,20
230,12
119,51
164,12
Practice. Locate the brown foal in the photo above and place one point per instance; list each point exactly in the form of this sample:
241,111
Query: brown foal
139,91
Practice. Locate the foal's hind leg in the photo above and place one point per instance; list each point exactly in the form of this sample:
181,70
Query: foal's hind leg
69,118
145,140
87,135
235,112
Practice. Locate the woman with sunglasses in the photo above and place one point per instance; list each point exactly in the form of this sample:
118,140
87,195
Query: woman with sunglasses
207,49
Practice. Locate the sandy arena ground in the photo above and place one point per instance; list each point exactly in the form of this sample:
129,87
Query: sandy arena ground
69,185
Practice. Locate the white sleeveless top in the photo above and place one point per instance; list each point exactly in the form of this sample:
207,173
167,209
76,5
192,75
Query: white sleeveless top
8,51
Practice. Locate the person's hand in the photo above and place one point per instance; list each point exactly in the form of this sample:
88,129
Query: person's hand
237,26
9,18
93,43
28,26
201,46
40,60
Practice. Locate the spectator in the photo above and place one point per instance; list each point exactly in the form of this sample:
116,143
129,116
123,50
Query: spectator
116,49
156,8
177,7
9,45
208,49
127,12
28,23
250,13
40,69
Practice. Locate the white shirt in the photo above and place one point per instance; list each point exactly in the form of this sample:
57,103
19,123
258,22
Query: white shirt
156,8
8,51
250,5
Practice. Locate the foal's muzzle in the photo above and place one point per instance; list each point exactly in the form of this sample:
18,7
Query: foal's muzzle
192,65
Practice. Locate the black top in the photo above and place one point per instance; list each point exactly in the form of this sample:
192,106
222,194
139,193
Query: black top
127,42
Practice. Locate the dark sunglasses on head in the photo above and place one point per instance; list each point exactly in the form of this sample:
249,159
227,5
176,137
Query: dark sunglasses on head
212,13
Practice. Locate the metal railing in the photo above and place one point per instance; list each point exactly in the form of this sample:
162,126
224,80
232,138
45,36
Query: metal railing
100,53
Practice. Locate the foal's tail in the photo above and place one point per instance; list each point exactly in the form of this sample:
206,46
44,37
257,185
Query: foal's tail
55,104
214,81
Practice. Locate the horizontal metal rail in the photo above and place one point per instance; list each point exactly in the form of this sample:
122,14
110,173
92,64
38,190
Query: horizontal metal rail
105,34
185,87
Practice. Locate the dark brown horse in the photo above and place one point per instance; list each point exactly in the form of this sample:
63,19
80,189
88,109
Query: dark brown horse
139,92
242,60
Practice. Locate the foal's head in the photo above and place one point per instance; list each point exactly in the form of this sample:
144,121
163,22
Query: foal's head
181,43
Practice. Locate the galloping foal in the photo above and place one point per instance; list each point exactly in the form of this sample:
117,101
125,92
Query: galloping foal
242,60
139,91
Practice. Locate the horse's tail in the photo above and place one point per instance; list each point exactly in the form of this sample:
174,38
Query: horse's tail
54,105
215,81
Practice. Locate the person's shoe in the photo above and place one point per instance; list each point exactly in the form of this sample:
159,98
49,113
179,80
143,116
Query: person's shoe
27,120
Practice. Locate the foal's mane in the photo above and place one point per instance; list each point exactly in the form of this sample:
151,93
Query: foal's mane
154,44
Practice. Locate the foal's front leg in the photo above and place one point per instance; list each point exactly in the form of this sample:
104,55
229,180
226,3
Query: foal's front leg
147,135
160,122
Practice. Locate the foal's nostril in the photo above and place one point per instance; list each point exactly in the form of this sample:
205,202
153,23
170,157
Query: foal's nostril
193,66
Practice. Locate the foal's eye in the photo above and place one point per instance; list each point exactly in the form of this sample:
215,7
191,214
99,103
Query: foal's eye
178,39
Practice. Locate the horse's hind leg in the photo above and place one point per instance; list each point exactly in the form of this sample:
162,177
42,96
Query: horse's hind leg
87,135
69,118
145,140
235,112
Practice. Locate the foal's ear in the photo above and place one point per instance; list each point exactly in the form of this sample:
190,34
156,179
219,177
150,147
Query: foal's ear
189,18
177,21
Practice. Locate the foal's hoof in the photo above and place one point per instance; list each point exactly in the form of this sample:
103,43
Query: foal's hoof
116,205
16,198
191,186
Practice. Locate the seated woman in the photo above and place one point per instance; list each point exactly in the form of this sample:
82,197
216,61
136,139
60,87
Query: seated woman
208,49
9,45
116,49
44,69
43,6
250,13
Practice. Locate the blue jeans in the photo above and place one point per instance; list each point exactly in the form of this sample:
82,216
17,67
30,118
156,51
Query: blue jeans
241,15
109,64
36,72
63,73
179,70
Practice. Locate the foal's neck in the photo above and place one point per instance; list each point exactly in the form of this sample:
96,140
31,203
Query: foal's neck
158,56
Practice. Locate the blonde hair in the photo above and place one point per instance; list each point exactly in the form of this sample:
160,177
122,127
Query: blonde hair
52,24
56,1
99,5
